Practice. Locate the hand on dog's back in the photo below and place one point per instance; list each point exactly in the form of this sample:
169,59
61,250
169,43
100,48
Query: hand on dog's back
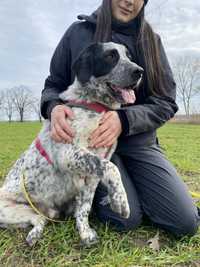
60,129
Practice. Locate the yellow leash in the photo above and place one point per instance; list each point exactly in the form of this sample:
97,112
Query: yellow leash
195,194
31,203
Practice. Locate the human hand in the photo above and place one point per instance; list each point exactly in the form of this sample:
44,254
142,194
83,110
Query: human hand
60,129
108,131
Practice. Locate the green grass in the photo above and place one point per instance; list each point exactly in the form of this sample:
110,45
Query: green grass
181,143
60,243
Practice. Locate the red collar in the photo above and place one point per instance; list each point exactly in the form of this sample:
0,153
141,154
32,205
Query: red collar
99,108
42,151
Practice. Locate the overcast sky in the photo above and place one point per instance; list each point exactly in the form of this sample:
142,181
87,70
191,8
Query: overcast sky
31,29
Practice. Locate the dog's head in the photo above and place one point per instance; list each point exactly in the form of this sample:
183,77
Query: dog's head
106,74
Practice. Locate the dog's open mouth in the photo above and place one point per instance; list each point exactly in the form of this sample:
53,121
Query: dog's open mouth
126,93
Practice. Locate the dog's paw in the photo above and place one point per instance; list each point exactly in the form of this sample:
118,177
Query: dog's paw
31,240
33,236
125,210
119,204
90,238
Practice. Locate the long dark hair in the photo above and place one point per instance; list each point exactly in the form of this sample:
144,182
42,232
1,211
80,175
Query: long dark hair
146,46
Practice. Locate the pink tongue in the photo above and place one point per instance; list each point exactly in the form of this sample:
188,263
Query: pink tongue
128,96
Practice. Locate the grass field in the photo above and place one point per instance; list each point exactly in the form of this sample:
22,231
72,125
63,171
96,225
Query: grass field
60,244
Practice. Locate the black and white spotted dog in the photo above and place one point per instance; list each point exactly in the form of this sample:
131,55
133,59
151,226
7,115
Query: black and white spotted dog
63,177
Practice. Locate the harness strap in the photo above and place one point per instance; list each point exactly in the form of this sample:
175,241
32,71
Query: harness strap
42,151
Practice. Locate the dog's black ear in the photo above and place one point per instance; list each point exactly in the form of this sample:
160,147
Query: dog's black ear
83,66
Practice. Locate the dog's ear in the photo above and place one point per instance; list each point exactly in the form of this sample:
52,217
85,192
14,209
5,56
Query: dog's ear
83,66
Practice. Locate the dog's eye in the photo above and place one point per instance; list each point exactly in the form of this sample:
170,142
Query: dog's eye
111,55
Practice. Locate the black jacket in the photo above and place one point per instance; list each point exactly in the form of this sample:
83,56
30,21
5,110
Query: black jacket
139,121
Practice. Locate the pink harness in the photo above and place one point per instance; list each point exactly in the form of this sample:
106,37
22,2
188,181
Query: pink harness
42,151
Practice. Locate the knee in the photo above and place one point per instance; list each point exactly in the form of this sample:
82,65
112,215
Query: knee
188,225
130,224
119,223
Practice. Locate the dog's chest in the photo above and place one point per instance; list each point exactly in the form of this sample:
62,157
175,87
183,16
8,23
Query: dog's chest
85,122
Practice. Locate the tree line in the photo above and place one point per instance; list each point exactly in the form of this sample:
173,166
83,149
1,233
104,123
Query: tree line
19,101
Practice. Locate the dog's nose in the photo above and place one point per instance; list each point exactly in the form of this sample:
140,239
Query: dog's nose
137,72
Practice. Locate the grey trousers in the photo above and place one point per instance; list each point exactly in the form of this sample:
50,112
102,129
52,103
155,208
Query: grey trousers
154,189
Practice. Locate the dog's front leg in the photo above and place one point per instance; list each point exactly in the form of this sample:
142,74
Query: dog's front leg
81,161
83,206
37,231
116,192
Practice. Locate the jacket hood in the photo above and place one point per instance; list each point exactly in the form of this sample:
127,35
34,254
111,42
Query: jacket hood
90,18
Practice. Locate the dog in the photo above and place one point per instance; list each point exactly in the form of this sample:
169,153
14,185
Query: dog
51,179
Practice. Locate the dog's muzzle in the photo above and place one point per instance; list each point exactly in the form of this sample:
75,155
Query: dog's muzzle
126,93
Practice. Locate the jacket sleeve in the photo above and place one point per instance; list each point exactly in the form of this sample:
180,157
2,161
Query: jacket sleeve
155,110
59,78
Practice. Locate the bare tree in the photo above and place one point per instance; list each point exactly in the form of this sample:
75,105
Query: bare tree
7,103
36,108
22,99
187,75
